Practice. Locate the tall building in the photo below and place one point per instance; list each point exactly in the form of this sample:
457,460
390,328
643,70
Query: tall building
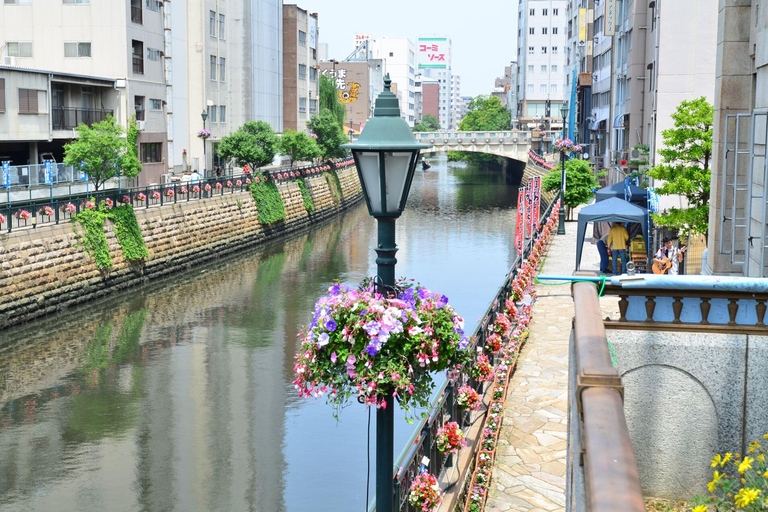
541,57
579,62
430,97
300,67
455,98
512,92
359,83
435,62
399,58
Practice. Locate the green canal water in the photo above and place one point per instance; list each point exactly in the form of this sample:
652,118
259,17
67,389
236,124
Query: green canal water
178,396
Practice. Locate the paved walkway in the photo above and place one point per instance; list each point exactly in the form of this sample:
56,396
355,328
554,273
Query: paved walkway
529,470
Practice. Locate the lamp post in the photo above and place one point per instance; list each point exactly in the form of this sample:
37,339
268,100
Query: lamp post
385,153
204,115
561,222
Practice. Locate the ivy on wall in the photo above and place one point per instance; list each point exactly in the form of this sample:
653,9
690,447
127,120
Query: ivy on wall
94,240
308,204
334,184
269,202
128,233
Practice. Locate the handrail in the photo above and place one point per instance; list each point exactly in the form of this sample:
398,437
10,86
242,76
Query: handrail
611,478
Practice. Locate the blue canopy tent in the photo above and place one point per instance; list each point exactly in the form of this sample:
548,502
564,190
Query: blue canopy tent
638,195
612,209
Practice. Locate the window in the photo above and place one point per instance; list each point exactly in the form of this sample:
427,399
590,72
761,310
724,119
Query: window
153,54
553,88
18,2
554,50
530,68
151,152
313,74
137,54
312,106
221,26
544,30
530,50
519,33
391,54
531,12
153,5
532,31
553,68
2,94
543,88
222,114
155,104
136,14
138,105
77,50
543,49
629,88
212,113
74,2
302,72
18,49
544,68
302,104
302,38
222,69
544,12
554,31
213,68
530,88
554,12
629,39
212,23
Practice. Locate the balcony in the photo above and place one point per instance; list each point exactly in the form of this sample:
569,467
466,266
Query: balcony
67,118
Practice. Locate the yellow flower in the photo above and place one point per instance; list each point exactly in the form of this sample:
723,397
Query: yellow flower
765,475
761,457
716,460
711,486
765,436
700,508
746,496
746,464
725,459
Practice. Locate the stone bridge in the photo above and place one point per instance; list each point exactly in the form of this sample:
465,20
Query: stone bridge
510,144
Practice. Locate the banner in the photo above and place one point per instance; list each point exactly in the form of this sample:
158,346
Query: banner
582,24
529,207
536,198
48,172
6,174
519,223
610,18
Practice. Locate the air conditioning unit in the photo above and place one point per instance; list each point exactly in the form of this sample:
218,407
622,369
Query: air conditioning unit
634,154
9,61
141,125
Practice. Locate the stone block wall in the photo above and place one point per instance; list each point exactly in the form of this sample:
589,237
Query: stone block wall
46,270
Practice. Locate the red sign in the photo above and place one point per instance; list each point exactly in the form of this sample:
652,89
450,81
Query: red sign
520,221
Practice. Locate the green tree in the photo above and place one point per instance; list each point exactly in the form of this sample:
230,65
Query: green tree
685,166
254,144
298,146
580,181
484,113
102,152
429,123
329,100
330,135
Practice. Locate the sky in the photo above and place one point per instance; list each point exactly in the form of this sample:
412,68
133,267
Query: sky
483,32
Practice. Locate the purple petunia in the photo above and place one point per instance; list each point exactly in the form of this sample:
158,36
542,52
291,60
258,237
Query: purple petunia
330,324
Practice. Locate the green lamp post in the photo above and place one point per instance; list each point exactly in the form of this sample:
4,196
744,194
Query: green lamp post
561,217
385,153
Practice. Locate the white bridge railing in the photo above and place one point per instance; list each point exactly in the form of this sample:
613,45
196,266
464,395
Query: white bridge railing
504,137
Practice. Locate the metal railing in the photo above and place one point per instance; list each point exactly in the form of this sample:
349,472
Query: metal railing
501,137
444,407
52,211
67,118
35,175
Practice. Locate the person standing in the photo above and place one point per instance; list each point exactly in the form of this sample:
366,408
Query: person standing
602,248
672,255
617,241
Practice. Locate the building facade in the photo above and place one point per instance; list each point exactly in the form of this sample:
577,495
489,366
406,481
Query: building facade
399,58
455,98
434,60
359,83
300,68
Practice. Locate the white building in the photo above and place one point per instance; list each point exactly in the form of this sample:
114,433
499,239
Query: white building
399,57
435,62
541,57
455,98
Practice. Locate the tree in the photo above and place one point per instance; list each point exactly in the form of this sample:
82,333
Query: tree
429,123
483,114
102,151
329,100
254,144
684,166
580,182
298,146
330,135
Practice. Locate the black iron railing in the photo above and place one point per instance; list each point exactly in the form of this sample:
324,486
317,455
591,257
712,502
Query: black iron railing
67,118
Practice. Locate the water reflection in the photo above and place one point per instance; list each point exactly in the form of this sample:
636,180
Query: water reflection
178,396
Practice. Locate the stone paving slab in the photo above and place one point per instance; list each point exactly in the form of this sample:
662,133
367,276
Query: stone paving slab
530,464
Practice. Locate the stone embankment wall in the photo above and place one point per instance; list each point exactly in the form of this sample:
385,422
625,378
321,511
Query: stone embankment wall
46,270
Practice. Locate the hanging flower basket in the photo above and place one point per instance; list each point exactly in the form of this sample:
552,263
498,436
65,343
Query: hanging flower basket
425,495
567,146
140,197
450,438
204,134
364,345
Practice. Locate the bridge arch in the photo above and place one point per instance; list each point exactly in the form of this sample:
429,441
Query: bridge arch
512,144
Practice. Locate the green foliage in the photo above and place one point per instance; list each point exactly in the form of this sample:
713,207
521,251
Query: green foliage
329,100
330,136
269,202
94,240
254,144
308,204
102,152
429,123
685,166
486,113
579,182
299,146
334,184
128,233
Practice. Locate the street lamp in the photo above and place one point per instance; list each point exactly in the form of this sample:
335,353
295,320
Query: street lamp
204,115
561,223
385,153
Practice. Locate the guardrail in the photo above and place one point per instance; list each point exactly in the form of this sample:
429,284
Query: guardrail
52,211
602,470
444,407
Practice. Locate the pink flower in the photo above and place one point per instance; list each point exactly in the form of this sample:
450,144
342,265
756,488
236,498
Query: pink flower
207,187
248,181
126,199
156,195
183,190
229,184
239,183
218,185
2,218
196,189
141,197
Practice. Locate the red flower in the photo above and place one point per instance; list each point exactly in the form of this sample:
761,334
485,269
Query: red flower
623,162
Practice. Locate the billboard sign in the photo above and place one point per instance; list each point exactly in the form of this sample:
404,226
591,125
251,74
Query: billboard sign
313,32
582,24
48,172
610,18
6,174
434,52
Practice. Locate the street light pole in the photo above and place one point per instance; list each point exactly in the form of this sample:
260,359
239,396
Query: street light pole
561,217
204,115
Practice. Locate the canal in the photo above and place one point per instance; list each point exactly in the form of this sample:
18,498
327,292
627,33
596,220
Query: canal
178,396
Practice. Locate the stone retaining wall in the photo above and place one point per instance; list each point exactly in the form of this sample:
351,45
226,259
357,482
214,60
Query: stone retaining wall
46,270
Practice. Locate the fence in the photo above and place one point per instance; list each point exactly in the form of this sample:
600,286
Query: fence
444,407
52,211
33,175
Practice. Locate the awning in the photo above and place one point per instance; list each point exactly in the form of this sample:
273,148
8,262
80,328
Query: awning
619,121
598,125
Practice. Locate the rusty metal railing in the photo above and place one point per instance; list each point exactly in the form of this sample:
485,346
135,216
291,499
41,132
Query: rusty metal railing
599,437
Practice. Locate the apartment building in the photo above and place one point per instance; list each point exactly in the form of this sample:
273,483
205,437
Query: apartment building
359,83
579,62
455,98
399,58
541,57
300,67
435,61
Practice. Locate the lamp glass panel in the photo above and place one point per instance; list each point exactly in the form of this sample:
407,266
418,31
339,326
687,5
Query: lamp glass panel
397,167
369,169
